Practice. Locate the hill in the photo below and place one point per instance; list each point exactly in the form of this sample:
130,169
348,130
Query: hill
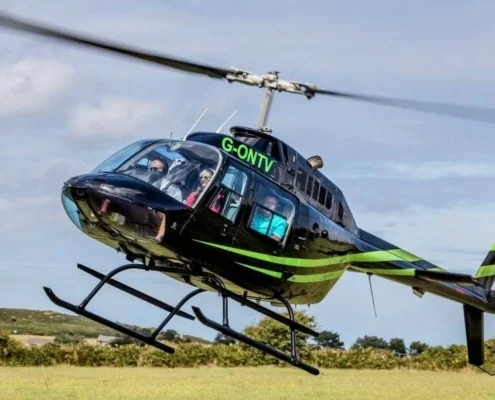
51,323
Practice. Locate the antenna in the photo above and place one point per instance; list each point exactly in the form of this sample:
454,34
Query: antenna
192,127
221,126
372,296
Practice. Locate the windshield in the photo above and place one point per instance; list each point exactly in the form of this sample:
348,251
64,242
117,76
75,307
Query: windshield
116,160
183,170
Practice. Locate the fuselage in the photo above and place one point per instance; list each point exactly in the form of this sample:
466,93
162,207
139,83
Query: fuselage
168,217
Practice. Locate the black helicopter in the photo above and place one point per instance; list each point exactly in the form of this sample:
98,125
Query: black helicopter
245,215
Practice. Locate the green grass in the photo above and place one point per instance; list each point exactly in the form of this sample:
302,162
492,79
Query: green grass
238,383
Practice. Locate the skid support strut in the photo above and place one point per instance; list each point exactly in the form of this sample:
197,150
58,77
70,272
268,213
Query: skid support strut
211,280
228,331
107,279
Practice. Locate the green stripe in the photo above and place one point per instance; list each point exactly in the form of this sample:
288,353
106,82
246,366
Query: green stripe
438,269
485,270
327,276
405,255
383,271
372,256
275,274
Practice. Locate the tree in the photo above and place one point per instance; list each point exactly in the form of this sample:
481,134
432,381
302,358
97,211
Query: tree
397,345
277,335
371,341
330,340
68,338
222,339
169,335
417,347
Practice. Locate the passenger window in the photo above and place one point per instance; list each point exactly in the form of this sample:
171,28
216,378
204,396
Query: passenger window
301,180
228,199
316,188
286,153
273,212
328,202
341,211
321,197
309,188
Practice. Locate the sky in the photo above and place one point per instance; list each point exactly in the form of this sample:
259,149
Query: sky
421,182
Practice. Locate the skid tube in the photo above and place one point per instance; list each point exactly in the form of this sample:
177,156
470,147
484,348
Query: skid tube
224,328
211,280
107,279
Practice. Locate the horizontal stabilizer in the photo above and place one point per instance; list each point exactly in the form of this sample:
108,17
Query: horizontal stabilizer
447,277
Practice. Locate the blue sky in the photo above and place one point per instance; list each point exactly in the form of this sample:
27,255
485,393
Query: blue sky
419,181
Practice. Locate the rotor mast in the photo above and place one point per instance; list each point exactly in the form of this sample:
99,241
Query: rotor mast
265,109
270,82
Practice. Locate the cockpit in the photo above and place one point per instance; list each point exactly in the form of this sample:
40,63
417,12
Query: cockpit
183,170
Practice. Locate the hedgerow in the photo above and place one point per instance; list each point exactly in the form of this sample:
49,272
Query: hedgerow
189,355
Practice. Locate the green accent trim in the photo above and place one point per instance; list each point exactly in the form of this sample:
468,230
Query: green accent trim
438,269
327,276
493,247
371,256
485,270
382,271
405,255
275,274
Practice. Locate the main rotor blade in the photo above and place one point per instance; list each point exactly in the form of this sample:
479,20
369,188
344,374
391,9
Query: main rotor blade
453,110
35,28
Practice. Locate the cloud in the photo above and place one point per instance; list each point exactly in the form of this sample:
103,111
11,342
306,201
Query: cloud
428,170
30,85
432,233
112,117
42,177
31,214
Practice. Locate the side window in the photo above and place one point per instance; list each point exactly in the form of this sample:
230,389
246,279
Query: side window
309,188
228,199
273,212
316,188
301,180
328,202
341,211
321,198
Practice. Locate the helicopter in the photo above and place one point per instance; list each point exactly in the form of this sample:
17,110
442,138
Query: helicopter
244,215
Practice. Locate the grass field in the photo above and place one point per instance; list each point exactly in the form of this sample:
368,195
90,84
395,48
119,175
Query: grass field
238,383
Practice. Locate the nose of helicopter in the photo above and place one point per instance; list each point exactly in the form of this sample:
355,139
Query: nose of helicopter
123,205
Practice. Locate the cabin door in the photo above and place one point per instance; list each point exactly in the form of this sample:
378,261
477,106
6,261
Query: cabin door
218,213
265,230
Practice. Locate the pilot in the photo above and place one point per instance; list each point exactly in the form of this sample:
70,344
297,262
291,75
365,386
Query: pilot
169,187
262,218
156,170
204,179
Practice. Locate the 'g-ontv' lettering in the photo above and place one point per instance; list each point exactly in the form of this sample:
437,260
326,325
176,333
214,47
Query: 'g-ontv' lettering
246,153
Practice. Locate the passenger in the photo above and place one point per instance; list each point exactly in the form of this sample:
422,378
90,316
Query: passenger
204,179
217,204
262,218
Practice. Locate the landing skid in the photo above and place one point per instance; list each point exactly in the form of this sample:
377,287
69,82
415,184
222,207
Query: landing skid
212,281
